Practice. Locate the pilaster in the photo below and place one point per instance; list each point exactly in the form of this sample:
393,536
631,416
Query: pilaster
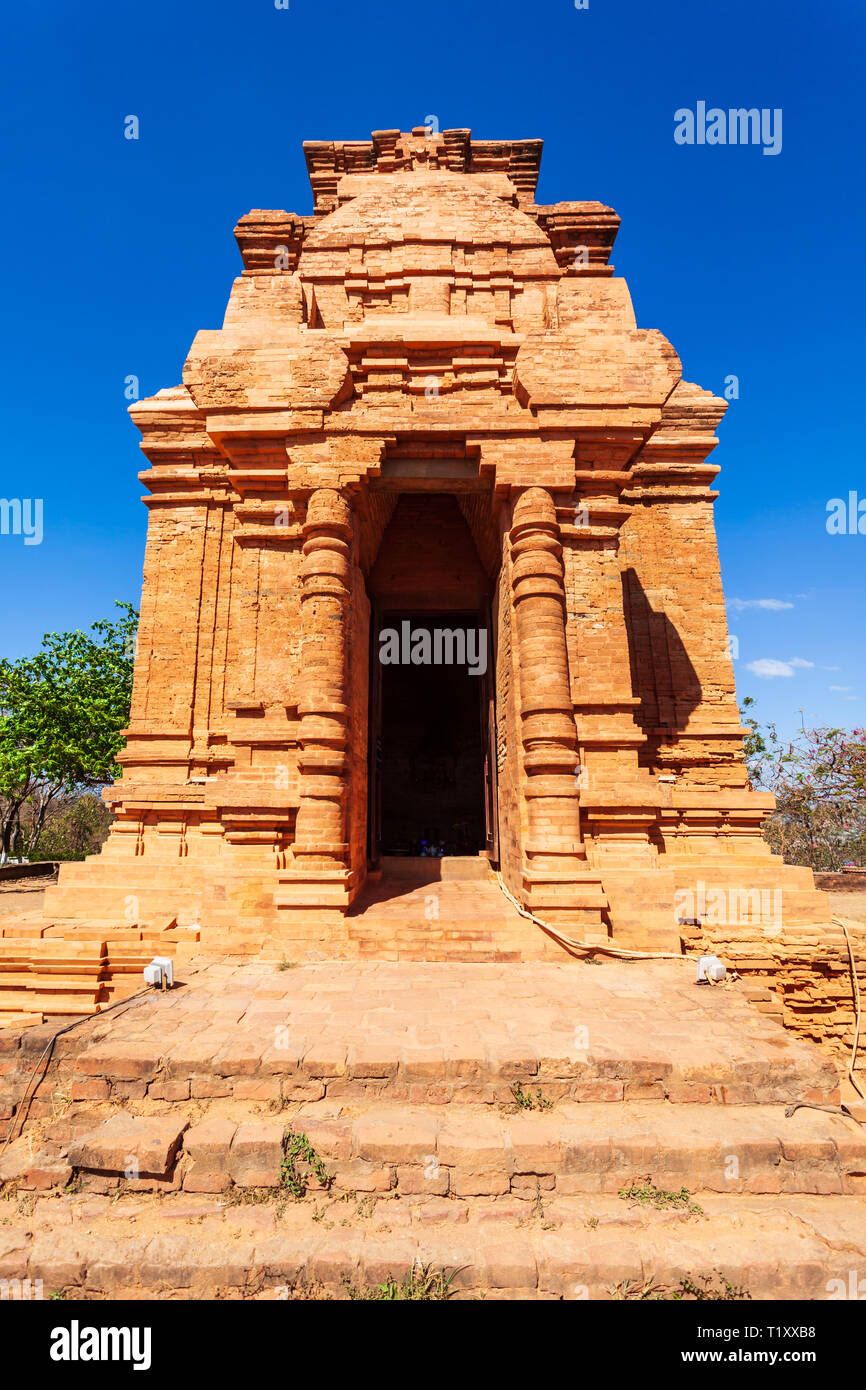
318,883
556,882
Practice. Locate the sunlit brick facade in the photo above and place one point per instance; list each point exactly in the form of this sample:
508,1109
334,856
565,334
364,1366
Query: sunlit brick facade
430,396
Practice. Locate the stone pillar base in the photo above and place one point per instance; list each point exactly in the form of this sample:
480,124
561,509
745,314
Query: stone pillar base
575,906
314,896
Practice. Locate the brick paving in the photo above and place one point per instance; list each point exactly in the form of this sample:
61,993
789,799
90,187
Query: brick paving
154,1247
153,1162
645,1028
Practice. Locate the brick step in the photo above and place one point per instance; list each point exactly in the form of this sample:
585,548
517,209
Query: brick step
427,1033
18,1019
744,871
573,1148
180,1246
474,923
73,969
484,941
456,867
465,925
15,1007
395,939
63,1001
288,1065
468,1151
103,888
463,955
30,947
414,914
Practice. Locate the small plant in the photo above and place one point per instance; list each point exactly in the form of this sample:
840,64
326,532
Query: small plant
278,1105
525,1100
287,964
633,1291
538,1201
297,1149
709,1286
646,1194
722,1291
302,1292
57,1296
251,1196
421,1284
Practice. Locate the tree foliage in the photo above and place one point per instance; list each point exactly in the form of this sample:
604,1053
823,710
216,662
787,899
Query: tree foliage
76,825
819,781
62,713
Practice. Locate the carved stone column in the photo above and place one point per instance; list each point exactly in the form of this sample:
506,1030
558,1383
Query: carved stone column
319,879
557,884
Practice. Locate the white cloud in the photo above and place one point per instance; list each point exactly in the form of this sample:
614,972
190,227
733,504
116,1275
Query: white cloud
840,689
774,605
768,668
800,663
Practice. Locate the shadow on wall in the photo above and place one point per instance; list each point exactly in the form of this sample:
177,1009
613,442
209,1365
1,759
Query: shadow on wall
662,675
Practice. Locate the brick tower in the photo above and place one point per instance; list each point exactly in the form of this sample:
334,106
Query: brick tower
430,403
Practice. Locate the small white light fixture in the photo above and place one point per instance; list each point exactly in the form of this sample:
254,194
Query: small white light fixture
710,969
160,972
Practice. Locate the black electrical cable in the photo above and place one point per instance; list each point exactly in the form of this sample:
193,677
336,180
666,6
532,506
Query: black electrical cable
28,1101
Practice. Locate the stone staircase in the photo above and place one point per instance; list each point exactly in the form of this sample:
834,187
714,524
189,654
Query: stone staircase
75,969
449,909
464,1152
540,1130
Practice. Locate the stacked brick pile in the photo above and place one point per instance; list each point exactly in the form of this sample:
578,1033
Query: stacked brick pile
800,975
78,968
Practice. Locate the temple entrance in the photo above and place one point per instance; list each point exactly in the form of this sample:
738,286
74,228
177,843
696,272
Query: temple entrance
432,710
432,741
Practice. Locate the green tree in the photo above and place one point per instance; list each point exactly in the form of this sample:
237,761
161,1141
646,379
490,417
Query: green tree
61,716
819,781
76,825
755,742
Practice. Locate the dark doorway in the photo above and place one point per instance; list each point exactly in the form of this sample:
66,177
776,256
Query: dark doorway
430,734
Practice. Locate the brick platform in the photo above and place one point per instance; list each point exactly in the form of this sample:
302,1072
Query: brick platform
402,1078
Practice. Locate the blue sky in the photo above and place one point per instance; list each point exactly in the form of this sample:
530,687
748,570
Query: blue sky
116,252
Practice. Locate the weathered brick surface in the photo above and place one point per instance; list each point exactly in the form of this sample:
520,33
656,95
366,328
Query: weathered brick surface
129,1145
256,1154
801,976
430,394
519,1203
